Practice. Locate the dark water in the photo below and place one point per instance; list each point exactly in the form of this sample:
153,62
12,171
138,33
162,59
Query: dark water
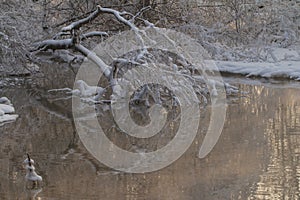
256,157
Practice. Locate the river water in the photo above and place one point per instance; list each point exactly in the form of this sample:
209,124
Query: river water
256,157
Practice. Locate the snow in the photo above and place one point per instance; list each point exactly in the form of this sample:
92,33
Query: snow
79,23
88,91
6,111
84,90
281,63
27,161
94,33
118,15
57,44
283,69
7,118
31,175
280,54
5,100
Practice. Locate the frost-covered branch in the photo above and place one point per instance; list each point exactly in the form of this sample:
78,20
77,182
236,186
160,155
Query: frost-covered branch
54,44
119,66
141,12
119,17
91,55
94,34
75,37
81,22
74,42
61,34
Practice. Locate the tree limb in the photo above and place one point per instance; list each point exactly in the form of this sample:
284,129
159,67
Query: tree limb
54,44
93,34
98,61
79,23
117,14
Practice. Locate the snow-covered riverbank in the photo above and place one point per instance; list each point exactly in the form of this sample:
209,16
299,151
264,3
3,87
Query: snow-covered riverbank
283,69
282,63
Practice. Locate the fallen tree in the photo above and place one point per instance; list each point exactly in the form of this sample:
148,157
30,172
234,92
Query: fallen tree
72,37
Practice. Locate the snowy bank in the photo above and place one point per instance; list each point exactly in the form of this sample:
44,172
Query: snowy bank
6,111
273,63
282,69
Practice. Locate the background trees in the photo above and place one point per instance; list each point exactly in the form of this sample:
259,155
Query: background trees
226,28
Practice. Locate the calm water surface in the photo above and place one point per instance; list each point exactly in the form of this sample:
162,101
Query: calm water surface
256,157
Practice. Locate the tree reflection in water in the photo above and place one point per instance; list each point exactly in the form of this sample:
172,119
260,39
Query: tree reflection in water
257,156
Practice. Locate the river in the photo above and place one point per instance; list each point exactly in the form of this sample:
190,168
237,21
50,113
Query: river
256,157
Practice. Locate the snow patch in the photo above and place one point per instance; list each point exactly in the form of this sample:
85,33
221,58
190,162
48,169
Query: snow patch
282,54
6,111
282,69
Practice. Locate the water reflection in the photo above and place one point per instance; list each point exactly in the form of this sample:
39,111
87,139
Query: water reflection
257,156
281,177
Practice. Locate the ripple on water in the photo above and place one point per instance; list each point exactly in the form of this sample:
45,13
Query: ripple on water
257,156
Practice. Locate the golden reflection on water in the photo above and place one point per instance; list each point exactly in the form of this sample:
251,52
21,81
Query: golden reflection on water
256,157
281,177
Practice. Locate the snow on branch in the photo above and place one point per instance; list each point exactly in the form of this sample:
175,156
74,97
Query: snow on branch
129,23
92,16
54,44
141,12
74,40
81,22
93,34
60,34
119,17
98,61
66,31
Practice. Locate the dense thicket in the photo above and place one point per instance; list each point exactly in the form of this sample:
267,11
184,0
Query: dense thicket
226,28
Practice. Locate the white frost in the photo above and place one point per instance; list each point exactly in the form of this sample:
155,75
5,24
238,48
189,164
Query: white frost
5,100
31,175
282,69
7,118
280,63
88,91
6,110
